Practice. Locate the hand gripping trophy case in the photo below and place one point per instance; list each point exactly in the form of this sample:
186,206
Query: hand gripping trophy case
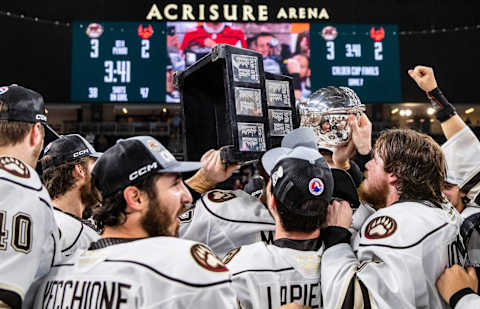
229,101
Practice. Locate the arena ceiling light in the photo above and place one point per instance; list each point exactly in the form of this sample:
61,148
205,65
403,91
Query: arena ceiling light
470,110
402,112
408,112
395,110
430,111
125,110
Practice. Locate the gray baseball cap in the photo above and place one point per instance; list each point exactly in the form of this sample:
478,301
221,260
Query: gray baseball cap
304,136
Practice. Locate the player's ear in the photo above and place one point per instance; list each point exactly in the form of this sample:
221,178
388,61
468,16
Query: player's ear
392,179
79,171
36,134
134,198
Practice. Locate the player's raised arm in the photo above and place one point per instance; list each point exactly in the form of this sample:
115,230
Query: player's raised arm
445,112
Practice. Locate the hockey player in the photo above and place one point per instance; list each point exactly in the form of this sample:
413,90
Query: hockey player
298,194
67,164
404,246
225,219
28,232
462,149
139,263
458,287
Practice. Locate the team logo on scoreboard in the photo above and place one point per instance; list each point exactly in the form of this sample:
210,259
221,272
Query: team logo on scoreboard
94,30
145,33
329,33
377,35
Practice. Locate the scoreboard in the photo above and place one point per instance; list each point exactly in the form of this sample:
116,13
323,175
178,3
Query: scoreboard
126,61
362,57
118,62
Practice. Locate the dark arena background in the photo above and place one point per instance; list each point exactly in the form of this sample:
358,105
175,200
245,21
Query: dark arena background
105,67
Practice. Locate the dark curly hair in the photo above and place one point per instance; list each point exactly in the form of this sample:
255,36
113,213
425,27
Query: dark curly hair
416,160
59,179
112,211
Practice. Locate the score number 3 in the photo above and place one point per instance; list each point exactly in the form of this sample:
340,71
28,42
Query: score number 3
94,48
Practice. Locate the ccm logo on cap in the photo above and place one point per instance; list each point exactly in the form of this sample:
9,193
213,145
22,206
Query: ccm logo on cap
81,152
41,117
142,171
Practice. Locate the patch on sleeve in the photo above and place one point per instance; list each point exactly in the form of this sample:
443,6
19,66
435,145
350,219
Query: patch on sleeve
218,196
229,256
207,259
380,227
186,216
14,166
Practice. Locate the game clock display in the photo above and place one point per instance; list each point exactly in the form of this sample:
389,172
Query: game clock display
362,57
118,62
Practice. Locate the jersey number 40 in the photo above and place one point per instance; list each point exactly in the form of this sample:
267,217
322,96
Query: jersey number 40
22,232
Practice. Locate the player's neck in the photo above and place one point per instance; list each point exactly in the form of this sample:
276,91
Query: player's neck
19,152
281,233
392,196
124,231
70,203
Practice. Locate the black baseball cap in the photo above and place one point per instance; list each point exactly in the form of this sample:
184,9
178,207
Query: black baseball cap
298,175
68,148
133,159
24,105
343,186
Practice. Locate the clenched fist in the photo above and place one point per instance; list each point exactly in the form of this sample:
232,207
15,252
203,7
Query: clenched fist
424,77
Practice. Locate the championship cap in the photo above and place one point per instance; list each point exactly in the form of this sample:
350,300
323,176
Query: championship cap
133,159
24,105
298,175
68,148
343,186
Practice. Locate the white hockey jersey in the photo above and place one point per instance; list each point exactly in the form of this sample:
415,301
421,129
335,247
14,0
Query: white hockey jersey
73,233
470,301
225,220
269,276
29,238
395,260
159,272
462,154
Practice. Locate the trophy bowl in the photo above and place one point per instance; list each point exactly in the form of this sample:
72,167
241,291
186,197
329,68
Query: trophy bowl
326,112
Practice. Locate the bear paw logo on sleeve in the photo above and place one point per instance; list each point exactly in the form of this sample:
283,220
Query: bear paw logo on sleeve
14,166
380,227
207,259
218,196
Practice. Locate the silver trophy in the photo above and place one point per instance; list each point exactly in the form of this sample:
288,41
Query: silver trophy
326,112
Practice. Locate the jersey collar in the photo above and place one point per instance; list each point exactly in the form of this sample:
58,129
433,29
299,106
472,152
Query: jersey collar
106,242
296,244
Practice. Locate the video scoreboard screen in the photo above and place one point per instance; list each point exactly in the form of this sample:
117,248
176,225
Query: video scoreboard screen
134,61
118,62
362,57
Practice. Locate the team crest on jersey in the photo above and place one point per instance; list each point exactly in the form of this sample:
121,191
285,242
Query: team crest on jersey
315,186
3,90
230,255
218,196
380,227
207,259
14,166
